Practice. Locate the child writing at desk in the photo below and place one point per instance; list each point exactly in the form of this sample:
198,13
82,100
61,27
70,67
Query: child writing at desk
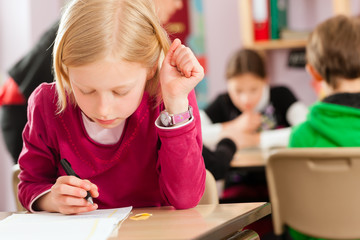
127,122
332,54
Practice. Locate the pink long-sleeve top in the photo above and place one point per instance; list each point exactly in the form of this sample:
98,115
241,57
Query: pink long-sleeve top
148,166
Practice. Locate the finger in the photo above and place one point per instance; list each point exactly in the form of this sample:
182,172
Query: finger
76,210
72,180
184,60
192,68
178,53
175,44
93,187
75,181
94,191
65,189
187,68
197,71
66,200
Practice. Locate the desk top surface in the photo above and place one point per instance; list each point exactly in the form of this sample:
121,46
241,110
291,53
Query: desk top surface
249,158
201,222
198,223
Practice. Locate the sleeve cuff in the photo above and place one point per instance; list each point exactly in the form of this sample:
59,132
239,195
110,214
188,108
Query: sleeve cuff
275,138
296,113
158,124
32,202
226,145
210,131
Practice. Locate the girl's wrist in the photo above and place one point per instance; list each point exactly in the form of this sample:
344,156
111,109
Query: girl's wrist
176,106
43,204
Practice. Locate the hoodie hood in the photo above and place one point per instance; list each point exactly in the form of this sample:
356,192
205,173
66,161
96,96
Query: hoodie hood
337,124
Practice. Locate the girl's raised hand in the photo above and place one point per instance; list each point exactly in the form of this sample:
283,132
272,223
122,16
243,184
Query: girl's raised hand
179,74
67,196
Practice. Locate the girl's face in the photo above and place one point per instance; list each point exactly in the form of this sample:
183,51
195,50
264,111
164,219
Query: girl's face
108,91
245,91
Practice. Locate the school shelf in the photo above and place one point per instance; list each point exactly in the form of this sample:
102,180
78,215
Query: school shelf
245,17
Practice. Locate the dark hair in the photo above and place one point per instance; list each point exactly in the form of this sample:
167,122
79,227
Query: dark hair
245,61
333,49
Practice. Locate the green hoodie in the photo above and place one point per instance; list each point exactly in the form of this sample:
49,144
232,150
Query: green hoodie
327,125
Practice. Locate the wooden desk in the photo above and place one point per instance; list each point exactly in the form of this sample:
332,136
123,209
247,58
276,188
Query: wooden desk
254,158
199,223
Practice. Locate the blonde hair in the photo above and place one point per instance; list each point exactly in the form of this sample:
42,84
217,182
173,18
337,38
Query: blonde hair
91,30
333,49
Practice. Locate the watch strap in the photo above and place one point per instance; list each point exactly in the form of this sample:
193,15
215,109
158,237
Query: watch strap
181,117
168,120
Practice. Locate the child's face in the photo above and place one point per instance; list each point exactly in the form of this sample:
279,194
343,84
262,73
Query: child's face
245,91
108,91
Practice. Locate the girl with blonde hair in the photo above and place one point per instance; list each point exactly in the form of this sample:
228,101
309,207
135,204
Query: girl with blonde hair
126,120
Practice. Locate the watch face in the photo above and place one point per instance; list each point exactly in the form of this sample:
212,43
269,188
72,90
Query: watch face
165,119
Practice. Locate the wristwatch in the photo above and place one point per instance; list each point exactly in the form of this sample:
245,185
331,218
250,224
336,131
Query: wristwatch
168,119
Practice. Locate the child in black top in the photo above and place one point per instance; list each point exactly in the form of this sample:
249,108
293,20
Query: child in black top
251,108
250,114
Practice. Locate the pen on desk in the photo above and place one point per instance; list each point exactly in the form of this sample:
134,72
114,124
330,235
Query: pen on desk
70,172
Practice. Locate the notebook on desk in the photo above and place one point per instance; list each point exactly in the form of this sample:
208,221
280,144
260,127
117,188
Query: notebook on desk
98,225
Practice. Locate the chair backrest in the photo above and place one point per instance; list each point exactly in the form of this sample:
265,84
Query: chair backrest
316,191
210,194
15,182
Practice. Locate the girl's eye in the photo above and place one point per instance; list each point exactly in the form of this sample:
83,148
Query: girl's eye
120,93
87,92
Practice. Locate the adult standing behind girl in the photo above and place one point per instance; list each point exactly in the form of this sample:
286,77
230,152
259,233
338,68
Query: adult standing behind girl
101,114
251,108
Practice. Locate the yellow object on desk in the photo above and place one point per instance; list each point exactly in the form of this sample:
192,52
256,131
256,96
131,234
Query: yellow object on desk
141,216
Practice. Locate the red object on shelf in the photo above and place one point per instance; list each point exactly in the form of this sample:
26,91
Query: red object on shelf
261,19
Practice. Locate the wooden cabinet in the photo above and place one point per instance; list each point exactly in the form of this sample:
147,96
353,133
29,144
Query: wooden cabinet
245,14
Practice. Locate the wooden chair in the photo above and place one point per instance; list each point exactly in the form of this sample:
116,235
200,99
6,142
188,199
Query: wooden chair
15,181
210,195
316,191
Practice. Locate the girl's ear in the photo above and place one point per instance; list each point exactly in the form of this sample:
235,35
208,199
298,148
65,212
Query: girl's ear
314,74
151,72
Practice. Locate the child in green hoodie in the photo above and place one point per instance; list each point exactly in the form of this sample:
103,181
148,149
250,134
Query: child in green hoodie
332,53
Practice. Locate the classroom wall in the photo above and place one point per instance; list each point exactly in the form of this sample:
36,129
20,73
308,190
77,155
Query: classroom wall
21,24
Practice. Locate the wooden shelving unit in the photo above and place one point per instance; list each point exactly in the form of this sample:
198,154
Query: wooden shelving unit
245,12
277,44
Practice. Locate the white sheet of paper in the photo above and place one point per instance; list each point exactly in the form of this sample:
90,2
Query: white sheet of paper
95,225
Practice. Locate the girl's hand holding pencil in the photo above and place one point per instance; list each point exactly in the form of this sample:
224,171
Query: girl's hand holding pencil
67,196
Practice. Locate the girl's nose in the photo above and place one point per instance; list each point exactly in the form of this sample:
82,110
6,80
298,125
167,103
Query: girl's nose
104,106
246,101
